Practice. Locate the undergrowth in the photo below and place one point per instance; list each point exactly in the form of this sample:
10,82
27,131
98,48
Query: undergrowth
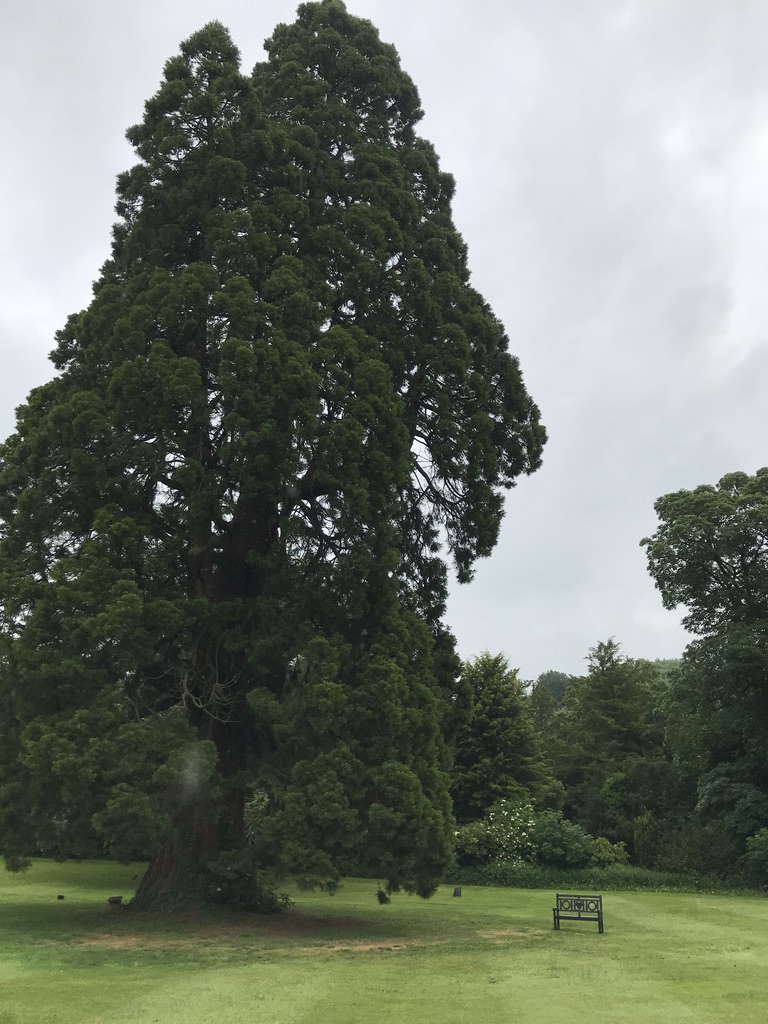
614,877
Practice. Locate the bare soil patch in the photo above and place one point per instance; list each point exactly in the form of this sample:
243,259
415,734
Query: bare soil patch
134,942
194,928
323,948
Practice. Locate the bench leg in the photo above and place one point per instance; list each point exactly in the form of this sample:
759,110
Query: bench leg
556,920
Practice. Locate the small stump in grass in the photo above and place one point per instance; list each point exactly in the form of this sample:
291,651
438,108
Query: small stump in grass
115,901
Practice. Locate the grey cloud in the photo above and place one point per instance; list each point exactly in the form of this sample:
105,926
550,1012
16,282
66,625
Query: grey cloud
610,162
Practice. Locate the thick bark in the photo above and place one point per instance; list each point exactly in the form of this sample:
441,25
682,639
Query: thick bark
177,874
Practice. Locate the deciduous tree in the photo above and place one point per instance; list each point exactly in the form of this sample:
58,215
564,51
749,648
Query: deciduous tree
710,554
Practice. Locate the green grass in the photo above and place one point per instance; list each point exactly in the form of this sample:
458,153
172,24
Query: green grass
490,956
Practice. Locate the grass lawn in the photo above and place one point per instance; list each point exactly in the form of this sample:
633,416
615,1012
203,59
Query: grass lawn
490,956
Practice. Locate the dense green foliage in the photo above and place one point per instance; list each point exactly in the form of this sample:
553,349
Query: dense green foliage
710,553
221,523
498,750
634,748
613,765
606,742
669,758
663,760
512,832
555,684
591,877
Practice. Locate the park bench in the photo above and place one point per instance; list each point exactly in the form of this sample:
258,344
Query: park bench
569,907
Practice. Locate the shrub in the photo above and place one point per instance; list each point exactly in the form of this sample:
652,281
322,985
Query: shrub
235,880
509,825
588,879
512,833
473,845
603,853
698,847
503,835
557,842
755,861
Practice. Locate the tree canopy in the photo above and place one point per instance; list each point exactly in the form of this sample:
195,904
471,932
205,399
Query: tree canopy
605,745
710,553
225,525
498,753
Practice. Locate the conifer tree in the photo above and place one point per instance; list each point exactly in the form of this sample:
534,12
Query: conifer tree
220,524
609,751
498,752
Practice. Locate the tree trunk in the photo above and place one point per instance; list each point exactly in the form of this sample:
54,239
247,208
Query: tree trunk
176,876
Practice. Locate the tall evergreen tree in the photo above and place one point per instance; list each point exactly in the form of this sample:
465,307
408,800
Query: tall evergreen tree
220,523
609,753
554,683
498,753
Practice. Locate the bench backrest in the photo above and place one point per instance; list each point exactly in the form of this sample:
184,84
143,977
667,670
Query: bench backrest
582,906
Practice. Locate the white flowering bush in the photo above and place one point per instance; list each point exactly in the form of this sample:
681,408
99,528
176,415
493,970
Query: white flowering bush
513,833
503,835
509,824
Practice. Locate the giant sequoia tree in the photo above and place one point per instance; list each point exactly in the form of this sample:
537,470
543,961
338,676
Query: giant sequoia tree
225,525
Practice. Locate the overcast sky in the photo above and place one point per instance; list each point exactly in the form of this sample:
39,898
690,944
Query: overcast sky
611,159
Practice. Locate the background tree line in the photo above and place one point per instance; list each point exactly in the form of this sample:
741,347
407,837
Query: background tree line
668,759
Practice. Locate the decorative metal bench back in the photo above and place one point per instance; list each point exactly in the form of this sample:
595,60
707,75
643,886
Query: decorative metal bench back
571,907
